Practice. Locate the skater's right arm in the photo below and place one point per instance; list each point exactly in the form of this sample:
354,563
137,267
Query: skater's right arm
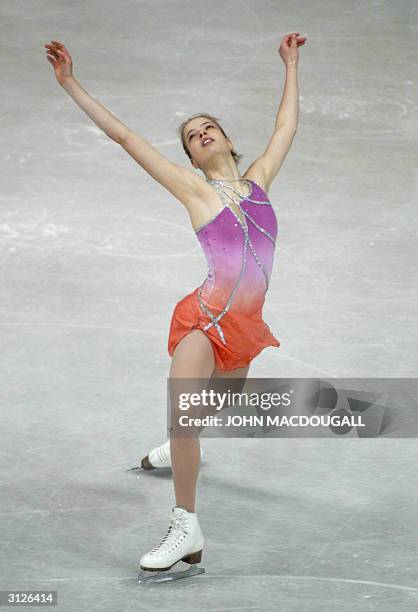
181,182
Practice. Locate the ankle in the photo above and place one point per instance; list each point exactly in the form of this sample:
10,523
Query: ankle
190,509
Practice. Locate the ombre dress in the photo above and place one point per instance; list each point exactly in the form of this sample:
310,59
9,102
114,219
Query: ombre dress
239,244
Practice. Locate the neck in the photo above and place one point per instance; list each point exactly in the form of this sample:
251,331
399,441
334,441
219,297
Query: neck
222,170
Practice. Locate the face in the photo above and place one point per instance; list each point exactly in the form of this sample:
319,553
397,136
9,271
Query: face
196,132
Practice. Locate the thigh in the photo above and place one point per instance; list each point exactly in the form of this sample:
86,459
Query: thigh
193,356
237,373
240,374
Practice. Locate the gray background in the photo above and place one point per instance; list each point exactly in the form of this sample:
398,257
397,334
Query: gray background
95,254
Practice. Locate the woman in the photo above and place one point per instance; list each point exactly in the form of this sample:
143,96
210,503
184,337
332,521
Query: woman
218,329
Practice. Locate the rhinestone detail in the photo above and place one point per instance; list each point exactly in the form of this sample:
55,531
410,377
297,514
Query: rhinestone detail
259,227
225,198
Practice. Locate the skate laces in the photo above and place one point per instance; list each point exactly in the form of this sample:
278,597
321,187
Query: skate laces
164,452
176,530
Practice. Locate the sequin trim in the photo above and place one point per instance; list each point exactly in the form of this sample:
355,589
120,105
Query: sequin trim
224,197
259,227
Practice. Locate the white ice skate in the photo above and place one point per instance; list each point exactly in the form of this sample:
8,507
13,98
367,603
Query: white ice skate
157,458
183,542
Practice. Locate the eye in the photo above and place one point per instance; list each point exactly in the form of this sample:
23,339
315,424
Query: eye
208,126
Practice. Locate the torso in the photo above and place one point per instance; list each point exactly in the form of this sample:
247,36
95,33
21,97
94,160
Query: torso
207,204
239,254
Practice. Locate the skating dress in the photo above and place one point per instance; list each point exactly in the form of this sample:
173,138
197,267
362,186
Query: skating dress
238,244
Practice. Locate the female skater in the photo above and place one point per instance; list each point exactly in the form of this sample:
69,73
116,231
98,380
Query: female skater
218,329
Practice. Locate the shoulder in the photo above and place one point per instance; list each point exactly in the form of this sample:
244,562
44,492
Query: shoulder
257,173
195,185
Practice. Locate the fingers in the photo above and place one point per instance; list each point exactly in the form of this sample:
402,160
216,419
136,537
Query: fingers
56,48
51,47
52,51
59,45
294,36
59,55
54,56
288,37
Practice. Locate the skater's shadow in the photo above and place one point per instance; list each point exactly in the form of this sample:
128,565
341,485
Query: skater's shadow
161,473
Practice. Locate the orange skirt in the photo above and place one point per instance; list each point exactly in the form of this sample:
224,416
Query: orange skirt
245,335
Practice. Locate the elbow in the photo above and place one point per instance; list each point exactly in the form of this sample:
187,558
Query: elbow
121,137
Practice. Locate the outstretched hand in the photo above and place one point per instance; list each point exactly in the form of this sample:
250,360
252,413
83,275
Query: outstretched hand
60,59
288,49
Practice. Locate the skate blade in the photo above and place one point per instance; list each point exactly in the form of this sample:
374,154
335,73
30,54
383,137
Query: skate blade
148,577
136,467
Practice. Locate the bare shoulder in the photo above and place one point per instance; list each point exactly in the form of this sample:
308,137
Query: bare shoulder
194,184
196,195
256,173
195,191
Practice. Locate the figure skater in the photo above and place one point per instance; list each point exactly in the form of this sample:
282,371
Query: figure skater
218,329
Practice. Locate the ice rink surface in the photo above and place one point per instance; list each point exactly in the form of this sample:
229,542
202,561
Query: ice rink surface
95,254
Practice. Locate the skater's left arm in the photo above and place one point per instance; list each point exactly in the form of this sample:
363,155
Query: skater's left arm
269,163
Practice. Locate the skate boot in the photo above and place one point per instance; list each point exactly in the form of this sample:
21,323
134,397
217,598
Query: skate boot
183,543
159,457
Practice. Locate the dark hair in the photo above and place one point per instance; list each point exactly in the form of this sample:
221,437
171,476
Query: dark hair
237,157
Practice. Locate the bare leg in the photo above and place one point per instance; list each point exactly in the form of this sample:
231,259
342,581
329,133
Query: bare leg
192,358
237,373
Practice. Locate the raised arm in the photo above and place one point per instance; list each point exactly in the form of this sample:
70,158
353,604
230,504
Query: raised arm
181,182
269,163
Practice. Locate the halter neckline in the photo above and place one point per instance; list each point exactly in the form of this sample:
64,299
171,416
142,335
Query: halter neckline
224,183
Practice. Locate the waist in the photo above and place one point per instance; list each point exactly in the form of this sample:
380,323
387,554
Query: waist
245,297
